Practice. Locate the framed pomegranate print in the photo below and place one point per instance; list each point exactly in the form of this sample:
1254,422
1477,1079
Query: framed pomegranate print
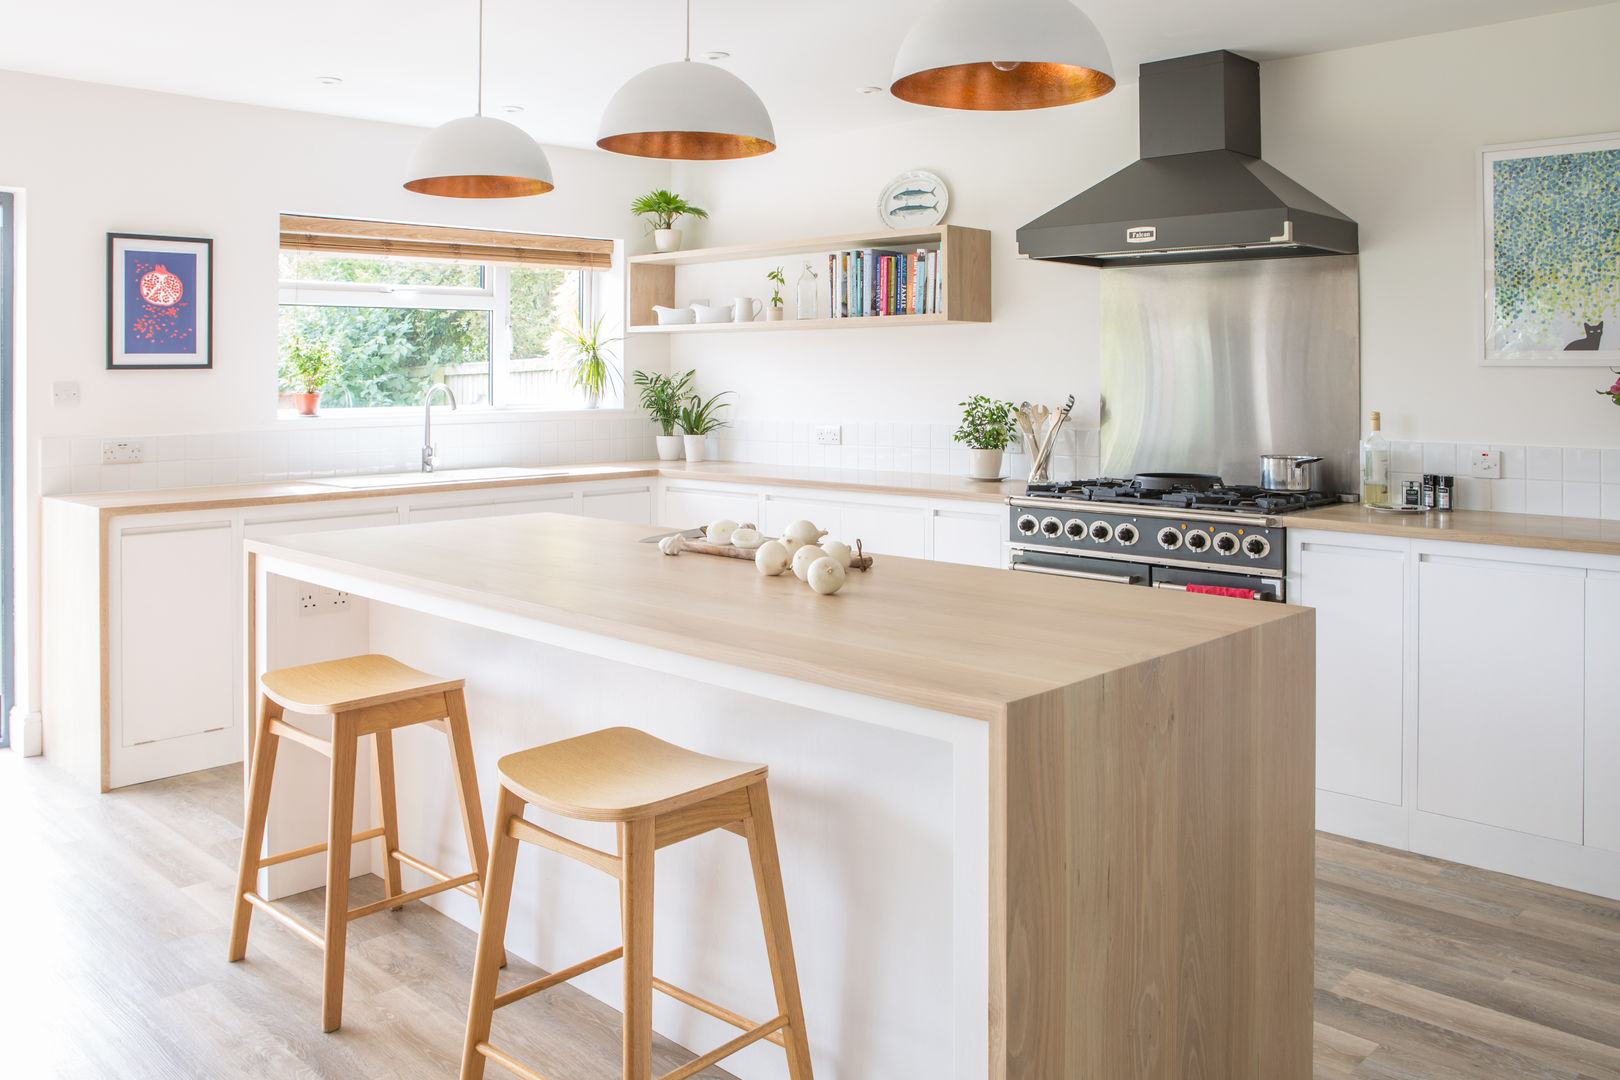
160,302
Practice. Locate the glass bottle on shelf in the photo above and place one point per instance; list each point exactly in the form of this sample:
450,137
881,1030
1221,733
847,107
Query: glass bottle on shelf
809,295
1375,466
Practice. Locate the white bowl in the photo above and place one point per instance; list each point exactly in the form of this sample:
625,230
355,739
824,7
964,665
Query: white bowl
672,316
707,314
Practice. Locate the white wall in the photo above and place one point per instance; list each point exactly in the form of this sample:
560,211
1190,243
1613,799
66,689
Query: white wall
93,159
1387,133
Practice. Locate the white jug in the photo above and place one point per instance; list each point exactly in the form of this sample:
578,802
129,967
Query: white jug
712,314
748,308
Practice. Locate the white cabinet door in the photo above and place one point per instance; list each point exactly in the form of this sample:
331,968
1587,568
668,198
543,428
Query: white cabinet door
687,506
886,530
968,535
1602,710
559,503
175,625
348,518
1359,596
619,504
1500,693
784,508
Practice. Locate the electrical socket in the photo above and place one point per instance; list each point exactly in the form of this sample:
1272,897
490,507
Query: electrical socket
829,435
1487,463
121,451
316,598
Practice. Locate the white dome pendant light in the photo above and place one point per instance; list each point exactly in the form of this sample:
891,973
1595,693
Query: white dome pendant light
687,112
1002,55
479,157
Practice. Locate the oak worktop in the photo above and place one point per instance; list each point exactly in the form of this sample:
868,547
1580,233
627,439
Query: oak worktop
1543,531
960,639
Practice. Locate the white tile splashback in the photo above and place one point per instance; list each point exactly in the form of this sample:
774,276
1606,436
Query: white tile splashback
1568,481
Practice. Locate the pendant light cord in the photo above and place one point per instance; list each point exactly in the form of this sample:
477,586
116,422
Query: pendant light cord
481,56
688,29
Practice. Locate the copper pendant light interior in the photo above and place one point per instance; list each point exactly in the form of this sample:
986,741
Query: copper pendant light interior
686,145
987,88
479,187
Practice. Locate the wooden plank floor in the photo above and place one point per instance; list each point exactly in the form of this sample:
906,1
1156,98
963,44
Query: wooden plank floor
114,915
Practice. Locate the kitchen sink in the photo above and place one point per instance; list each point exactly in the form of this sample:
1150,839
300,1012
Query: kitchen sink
442,476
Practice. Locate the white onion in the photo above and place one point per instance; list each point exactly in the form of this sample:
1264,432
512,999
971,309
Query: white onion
746,538
826,576
719,532
771,558
805,532
802,559
791,544
839,551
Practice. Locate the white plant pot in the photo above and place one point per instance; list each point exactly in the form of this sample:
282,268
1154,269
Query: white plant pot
985,464
773,314
667,239
669,447
694,446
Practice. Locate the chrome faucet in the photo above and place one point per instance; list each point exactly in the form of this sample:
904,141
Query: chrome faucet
430,453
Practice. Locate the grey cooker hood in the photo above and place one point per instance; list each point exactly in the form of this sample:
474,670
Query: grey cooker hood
1200,193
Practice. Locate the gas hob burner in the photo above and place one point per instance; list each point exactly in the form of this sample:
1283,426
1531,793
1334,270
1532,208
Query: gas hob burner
1184,491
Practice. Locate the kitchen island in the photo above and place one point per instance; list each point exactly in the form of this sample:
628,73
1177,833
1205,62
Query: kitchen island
1031,830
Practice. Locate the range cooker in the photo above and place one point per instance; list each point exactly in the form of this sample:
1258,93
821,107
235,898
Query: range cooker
1163,530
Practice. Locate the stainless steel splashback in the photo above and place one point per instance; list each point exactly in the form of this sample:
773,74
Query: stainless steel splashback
1206,367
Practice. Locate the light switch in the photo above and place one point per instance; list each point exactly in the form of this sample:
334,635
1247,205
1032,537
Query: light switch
64,393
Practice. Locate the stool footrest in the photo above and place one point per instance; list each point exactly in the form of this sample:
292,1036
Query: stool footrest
704,1005
299,735
316,849
414,863
530,833
414,894
747,1038
297,926
521,992
501,1057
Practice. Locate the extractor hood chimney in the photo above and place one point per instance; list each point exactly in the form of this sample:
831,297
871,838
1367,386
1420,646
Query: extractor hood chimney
1200,193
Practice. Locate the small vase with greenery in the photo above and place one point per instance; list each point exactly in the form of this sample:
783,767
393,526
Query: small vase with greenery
778,281
662,396
591,372
987,428
306,368
699,419
662,209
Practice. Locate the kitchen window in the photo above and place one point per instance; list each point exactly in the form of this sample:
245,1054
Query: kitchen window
480,311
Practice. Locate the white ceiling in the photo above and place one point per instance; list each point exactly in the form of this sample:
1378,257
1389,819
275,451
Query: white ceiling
413,61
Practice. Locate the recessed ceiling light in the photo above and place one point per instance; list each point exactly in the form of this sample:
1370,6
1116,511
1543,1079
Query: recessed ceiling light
328,80
511,108
869,89
715,54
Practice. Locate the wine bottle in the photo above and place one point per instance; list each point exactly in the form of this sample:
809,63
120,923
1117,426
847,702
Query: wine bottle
1375,466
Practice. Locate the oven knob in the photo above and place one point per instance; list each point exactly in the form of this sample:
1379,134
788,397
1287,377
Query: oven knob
1169,538
1256,547
1075,529
1126,534
1102,532
1226,543
1027,524
1051,526
1197,541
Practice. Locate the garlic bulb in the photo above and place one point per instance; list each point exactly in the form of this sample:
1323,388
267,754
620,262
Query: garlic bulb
839,551
802,559
672,544
719,532
771,558
805,532
826,576
746,538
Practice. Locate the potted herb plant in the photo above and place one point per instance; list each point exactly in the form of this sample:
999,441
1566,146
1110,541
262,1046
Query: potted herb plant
662,209
698,419
591,373
306,368
778,282
987,427
661,396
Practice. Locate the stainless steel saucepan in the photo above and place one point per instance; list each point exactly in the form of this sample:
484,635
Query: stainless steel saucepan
1287,472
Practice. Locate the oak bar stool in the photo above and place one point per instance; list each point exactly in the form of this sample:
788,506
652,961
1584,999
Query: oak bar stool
657,794
364,695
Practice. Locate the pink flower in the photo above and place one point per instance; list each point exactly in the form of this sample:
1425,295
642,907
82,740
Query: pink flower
1615,389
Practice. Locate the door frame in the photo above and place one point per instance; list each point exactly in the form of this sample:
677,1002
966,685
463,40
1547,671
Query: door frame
8,428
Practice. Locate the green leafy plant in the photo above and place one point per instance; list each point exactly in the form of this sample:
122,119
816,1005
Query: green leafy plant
987,424
662,395
699,417
663,208
307,365
591,373
779,282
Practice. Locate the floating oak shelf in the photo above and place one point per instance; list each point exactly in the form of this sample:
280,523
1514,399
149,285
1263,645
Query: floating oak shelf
964,259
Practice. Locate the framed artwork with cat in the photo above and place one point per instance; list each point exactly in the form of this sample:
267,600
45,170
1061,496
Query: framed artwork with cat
1551,224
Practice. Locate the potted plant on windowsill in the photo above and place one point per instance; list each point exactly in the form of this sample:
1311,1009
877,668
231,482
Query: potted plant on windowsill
591,373
306,368
699,419
662,209
661,396
987,427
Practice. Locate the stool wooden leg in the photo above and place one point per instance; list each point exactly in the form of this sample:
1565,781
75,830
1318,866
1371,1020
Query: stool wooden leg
636,848
388,812
472,807
761,833
497,903
258,808
340,830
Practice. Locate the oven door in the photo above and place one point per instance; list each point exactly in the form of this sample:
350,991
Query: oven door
1062,564
1178,578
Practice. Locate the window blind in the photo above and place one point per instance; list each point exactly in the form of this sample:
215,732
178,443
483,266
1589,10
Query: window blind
345,236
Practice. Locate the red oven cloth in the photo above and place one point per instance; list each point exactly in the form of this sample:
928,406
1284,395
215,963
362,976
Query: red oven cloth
1222,590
